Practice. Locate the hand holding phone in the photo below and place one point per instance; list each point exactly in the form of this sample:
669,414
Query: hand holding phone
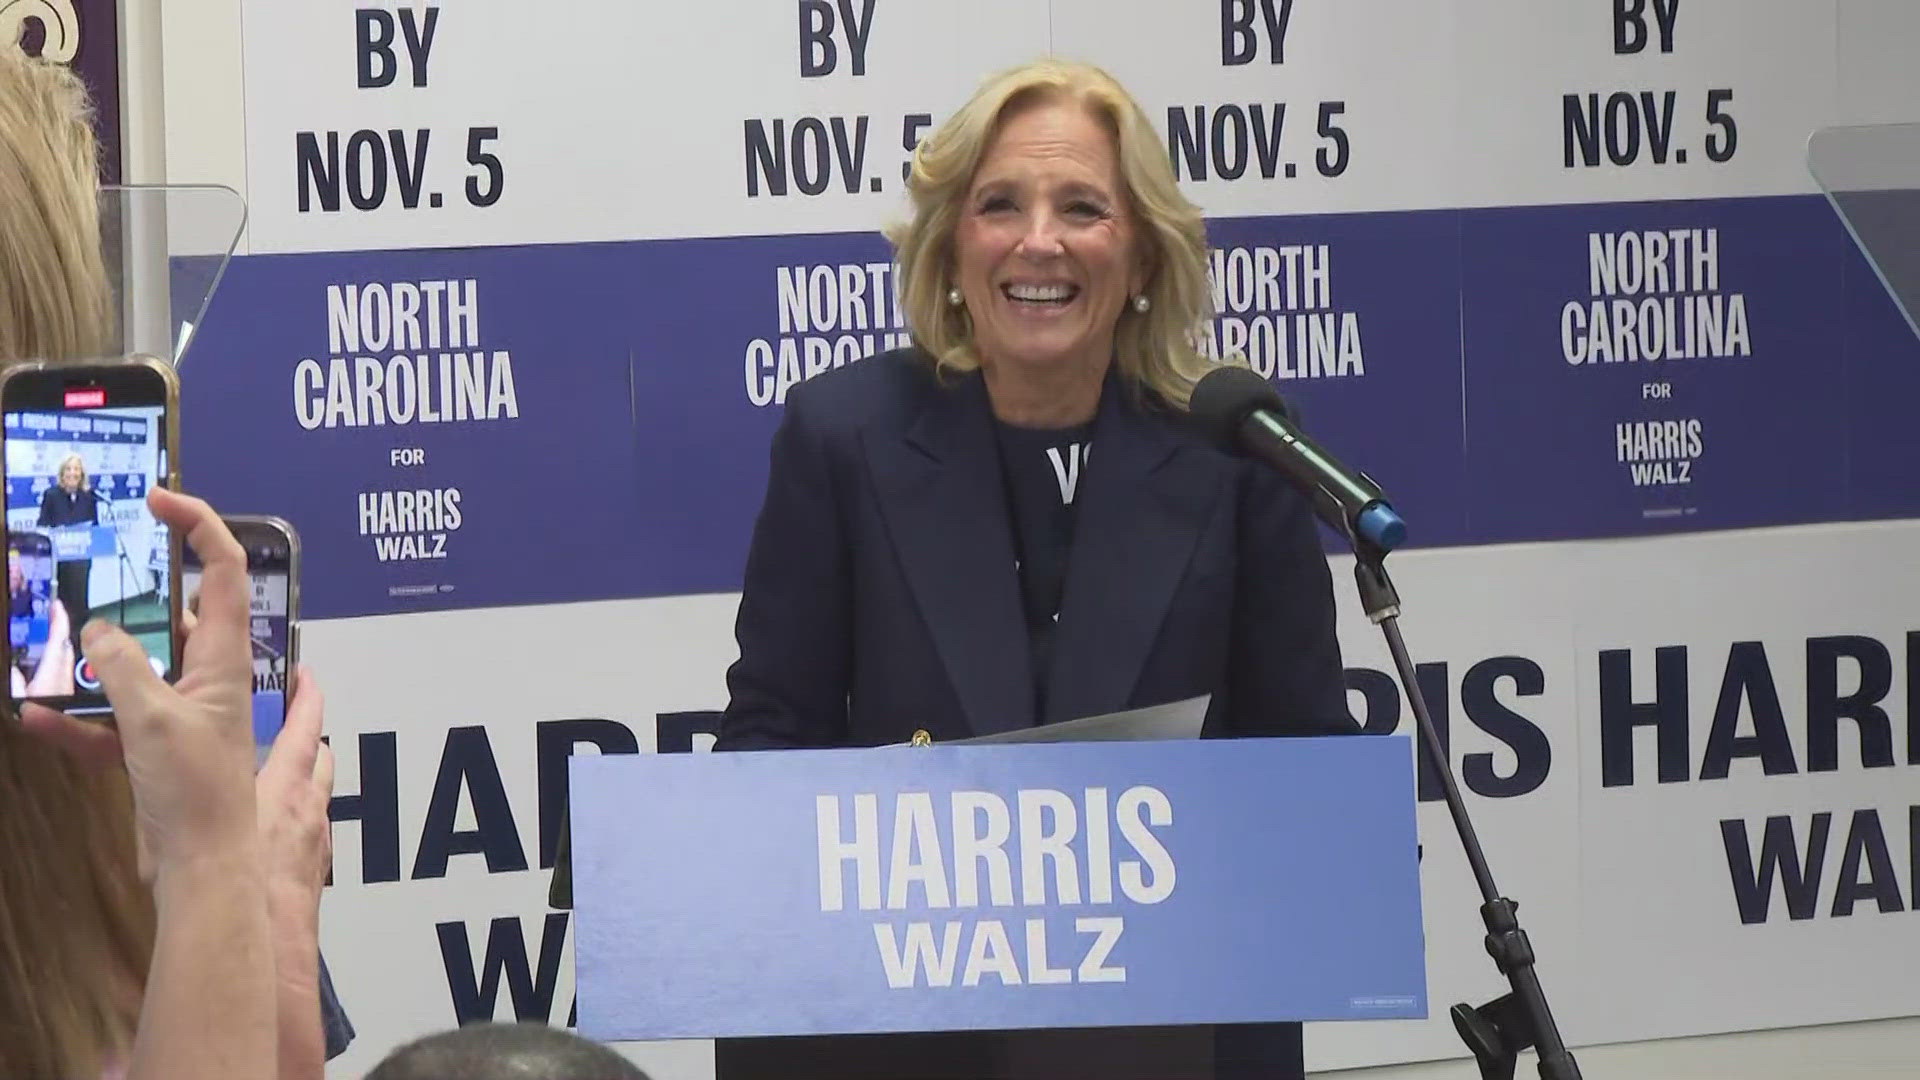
178,741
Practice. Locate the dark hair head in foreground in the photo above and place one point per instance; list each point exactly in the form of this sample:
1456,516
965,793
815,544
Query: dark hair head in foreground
505,1052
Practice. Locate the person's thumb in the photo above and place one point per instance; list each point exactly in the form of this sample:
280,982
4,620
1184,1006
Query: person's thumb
118,661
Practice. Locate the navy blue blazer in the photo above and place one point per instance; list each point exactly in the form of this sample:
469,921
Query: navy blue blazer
881,595
58,508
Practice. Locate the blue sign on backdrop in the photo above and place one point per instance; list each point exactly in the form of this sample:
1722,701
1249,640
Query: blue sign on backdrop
731,325
444,429
1366,348
996,887
1630,367
542,424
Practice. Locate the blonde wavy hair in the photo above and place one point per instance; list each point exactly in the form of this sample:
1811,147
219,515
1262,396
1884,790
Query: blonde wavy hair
76,921
1156,349
77,461
54,296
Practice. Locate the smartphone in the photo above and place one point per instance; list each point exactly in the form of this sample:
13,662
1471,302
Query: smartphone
273,570
81,444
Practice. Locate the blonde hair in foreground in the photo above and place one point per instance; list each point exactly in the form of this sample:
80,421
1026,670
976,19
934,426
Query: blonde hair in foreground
76,922
1154,349
53,282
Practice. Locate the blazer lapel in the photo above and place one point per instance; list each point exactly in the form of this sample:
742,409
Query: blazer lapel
945,506
1146,498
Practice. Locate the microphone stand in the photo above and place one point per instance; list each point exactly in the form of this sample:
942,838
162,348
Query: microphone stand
123,561
1497,1031
560,885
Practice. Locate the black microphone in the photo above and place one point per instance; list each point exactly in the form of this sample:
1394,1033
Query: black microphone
1243,410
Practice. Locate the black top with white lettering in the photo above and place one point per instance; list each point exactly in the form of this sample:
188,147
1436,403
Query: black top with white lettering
1043,469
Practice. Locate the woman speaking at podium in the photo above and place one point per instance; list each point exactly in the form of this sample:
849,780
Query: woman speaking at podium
1013,521
70,501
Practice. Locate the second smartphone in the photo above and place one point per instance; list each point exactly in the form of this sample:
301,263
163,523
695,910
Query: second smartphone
273,572
81,445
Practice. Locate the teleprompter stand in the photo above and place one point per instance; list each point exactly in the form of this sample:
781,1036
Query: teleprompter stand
1497,1031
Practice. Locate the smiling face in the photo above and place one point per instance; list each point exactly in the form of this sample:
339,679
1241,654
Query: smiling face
1044,250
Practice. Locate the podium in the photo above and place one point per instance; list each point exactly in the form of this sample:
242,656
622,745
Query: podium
996,887
83,543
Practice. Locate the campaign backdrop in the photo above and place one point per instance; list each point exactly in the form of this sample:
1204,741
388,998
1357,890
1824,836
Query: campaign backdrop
1668,746
526,292
1536,305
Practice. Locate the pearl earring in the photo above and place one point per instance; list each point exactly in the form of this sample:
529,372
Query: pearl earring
954,298
1141,303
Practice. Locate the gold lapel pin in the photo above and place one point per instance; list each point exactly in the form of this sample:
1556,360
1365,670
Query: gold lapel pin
921,738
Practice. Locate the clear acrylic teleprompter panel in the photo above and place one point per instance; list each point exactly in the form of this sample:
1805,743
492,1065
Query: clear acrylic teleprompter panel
165,248
1871,175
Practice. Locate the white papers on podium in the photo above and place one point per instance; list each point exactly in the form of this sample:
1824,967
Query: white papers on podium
1174,720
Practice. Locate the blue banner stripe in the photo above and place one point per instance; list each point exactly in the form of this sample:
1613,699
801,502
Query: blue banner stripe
539,424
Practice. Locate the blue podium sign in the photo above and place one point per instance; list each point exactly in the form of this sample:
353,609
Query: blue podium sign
996,887
76,543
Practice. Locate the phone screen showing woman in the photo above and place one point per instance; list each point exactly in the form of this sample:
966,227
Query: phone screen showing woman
84,445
